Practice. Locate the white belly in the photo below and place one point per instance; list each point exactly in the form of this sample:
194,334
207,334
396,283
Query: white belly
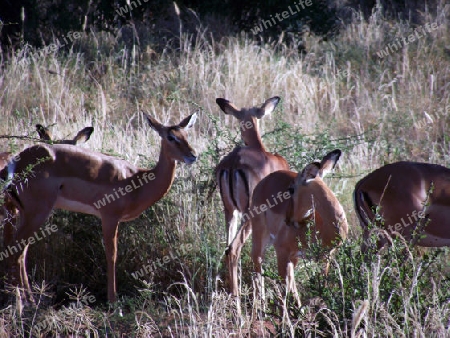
66,204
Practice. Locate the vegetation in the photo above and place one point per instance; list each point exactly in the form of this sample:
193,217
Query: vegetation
336,93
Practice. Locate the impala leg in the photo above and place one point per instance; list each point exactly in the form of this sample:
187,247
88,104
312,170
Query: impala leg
258,281
233,250
231,218
28,228
286,264
234,254
290,282
328,261
110,230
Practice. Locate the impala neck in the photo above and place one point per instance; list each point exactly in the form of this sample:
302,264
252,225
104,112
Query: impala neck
250,133
164,174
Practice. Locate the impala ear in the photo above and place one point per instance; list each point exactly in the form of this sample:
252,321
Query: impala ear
44,133
310,172
154,124
188,122
329,162
84,134
268,107
229,108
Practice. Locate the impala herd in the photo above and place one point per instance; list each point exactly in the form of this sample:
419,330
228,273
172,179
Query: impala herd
290,210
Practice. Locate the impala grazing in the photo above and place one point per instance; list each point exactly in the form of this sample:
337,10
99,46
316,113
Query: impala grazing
402,194
66,177
312,215
238,174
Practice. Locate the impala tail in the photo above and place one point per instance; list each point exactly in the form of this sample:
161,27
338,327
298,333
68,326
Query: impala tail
234,188
364,206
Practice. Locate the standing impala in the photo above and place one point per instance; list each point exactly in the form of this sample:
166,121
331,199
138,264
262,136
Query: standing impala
9,210
404,198
290,208
66,177
239,172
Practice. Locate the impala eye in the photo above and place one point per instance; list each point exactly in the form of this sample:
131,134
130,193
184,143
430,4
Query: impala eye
171,138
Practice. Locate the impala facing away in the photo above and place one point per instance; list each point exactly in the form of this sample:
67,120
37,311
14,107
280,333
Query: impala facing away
66,177
239,172
400,191
308,213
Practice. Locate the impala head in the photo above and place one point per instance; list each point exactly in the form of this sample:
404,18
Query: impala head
247,116
318,170
311,197
82,136
174,138
44,133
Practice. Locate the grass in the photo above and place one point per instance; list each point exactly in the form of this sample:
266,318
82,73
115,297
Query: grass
369,113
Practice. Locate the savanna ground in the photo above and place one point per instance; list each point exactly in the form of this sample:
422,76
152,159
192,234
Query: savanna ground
337,94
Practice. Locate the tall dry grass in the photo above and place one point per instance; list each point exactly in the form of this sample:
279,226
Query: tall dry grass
338,94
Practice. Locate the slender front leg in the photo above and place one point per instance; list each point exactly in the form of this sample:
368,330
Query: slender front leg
290,283
110,230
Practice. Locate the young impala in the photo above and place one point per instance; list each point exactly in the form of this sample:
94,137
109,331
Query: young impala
403,194
289,209
239,172
48,177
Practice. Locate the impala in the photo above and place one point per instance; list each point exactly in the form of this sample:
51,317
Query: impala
66,177
402,194
312,215
82,136
239,172
45,135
